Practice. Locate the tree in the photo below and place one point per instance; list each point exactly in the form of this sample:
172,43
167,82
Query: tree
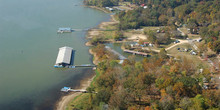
103,96
216,46
151,36
179,89
166,103
163,19
163,53
185,103
120,100
202,48
117,35
198,103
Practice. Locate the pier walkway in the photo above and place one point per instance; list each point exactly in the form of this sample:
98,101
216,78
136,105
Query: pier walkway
80,29
135,52
121,57
85,65
68,89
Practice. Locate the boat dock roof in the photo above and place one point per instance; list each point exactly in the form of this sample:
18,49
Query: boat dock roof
64,55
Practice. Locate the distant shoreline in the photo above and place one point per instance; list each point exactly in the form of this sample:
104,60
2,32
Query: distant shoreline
99,8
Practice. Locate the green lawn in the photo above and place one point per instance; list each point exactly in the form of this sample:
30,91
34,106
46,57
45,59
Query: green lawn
78,101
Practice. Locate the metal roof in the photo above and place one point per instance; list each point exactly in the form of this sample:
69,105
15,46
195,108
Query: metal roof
64,55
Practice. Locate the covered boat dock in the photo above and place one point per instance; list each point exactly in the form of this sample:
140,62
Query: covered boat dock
64,57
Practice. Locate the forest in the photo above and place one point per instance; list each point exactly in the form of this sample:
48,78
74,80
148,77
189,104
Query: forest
200,16
159,82
155,83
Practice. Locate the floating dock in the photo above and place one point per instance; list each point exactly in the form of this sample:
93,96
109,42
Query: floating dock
68,30
64,30
64,57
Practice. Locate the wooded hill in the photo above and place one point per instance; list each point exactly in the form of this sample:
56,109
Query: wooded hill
200,16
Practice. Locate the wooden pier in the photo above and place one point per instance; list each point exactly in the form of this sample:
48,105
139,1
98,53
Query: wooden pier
80,29
135,52
85,65
68,89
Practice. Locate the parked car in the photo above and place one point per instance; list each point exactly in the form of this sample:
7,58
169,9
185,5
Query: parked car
177,41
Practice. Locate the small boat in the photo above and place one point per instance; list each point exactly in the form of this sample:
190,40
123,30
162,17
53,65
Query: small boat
72,67
58,66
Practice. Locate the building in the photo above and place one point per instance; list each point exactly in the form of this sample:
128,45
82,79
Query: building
64,57
62,30
199,39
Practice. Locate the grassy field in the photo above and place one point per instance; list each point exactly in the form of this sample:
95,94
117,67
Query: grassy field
78,101
191,36
174,52
153,28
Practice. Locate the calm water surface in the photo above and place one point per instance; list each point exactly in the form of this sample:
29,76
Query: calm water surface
29,46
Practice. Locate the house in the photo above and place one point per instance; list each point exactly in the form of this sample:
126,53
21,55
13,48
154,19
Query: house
193,53
199,40
142,5
151,45
158,31
111,9
146,43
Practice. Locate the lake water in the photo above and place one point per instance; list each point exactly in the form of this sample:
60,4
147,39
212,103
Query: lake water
29,47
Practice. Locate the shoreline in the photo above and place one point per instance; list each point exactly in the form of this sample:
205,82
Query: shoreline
65,100
98,8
